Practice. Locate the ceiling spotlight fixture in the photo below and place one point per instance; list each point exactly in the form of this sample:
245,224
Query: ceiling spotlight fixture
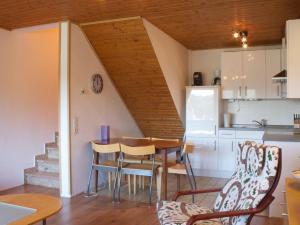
245,45
236,34
243,37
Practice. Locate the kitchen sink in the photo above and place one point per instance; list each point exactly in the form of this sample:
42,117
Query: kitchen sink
248,126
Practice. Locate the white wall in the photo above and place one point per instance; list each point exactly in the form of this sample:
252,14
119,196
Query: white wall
173,59
277,112
205,61
28,98
92,110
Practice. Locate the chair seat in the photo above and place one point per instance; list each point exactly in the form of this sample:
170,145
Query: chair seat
138,169
178,213
158,161
108,164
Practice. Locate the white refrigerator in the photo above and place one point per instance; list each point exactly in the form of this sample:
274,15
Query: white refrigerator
202,123
202,111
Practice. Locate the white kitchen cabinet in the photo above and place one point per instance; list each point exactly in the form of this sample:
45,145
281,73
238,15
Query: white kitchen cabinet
205,154
274,90
232,71
290,162
226,155
254,79
293,56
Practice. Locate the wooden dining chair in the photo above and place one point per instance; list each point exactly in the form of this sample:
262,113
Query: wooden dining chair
158,159
107,165
247,192
138,160
179,168
147,170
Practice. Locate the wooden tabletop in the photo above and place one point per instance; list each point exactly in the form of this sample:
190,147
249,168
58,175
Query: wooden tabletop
293,200
45,206
159,144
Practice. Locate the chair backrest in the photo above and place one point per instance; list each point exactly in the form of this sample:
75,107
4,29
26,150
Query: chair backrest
164,139
109,148
137,138
138,151
255,179
187,148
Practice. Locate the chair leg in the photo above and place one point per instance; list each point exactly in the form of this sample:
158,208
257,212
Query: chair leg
143,182
150,189
129,184
140,182
178,181
158,184
115,185
193,187
109,180
134,184
89,182
119,185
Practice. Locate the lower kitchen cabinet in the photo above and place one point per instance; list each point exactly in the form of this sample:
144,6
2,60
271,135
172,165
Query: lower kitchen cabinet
290,162
216,157
226,155
205,155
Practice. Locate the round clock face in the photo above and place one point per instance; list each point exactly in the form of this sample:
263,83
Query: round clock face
97,83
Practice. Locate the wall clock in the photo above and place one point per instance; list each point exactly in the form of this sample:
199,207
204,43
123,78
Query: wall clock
97,83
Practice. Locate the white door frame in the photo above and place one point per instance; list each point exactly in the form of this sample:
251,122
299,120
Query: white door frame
64,110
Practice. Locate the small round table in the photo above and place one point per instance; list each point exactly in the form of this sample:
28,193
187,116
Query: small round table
44,205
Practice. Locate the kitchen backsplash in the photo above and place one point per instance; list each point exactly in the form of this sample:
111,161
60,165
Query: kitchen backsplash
276,112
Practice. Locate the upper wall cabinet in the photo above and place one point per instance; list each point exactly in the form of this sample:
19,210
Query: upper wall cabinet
293,58
240,72
232,70
248,74
253,79
274,90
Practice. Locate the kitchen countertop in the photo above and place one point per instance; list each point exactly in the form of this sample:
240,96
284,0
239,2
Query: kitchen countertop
271,132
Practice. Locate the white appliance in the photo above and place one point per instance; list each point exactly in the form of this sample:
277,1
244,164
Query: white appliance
202,123
202,111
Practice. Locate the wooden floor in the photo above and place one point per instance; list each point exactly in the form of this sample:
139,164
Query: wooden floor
100,210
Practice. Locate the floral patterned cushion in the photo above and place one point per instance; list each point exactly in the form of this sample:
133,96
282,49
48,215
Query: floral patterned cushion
178,213
257,167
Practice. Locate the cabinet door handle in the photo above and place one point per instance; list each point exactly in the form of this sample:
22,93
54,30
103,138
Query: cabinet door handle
215,129
232,146
240,91
284,214
246,90
215,145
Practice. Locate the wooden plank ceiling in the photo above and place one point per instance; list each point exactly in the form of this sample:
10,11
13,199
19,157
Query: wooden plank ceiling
129,58
197,24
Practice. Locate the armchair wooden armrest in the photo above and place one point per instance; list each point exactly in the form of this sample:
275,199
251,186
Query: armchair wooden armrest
214,215
192,192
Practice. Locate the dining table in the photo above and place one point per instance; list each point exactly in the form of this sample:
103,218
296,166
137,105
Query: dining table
162,147
28,208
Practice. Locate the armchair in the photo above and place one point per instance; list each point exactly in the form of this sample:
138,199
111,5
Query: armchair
247,192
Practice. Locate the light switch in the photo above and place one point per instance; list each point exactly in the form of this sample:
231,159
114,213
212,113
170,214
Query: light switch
75,125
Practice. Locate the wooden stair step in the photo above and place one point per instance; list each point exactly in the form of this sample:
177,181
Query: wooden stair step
46,179
52,150
45,164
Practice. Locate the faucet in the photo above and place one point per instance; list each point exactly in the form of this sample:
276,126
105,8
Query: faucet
262,123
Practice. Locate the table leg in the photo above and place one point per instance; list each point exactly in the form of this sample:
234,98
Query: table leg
165,174
178,159
96,172
44,222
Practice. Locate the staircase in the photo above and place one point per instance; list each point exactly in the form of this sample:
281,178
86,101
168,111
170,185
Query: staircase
46,170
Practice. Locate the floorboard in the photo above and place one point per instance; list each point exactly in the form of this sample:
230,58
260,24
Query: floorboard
99,209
